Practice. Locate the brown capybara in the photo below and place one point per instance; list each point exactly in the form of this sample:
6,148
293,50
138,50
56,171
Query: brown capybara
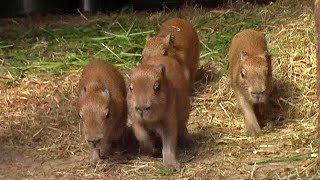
250,72
158,101
102,107
317,24
178,39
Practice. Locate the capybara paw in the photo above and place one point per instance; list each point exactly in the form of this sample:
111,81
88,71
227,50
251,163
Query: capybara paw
172,164
93,162
253,131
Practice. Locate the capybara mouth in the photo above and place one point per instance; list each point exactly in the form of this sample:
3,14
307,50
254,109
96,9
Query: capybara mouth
258,100
142,118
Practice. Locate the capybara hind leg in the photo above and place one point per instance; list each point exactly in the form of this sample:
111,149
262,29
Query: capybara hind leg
185,140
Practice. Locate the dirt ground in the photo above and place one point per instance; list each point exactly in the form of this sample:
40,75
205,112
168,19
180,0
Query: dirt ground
40,135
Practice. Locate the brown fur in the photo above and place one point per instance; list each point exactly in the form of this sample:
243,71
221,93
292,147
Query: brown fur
250,72
166,109
317,24
102,106
178,39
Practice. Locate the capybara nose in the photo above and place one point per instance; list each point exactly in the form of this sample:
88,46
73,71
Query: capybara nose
142,109
94,143
257,94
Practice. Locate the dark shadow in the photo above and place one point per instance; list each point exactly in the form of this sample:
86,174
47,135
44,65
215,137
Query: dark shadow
278,110
207,144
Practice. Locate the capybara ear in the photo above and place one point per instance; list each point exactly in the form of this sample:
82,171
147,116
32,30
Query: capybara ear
169,39
243,55
106,92
266,55
83,92
162,69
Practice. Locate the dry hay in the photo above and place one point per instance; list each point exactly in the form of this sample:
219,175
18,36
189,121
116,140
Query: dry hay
40,133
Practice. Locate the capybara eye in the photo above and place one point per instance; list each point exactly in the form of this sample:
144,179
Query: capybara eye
108,115
164,52
156,86
80,115
242,74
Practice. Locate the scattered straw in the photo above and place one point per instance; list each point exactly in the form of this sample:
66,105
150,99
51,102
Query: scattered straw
253,169
110,50
83,16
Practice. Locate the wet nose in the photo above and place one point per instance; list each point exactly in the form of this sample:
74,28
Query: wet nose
142,109
257,94
94,143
